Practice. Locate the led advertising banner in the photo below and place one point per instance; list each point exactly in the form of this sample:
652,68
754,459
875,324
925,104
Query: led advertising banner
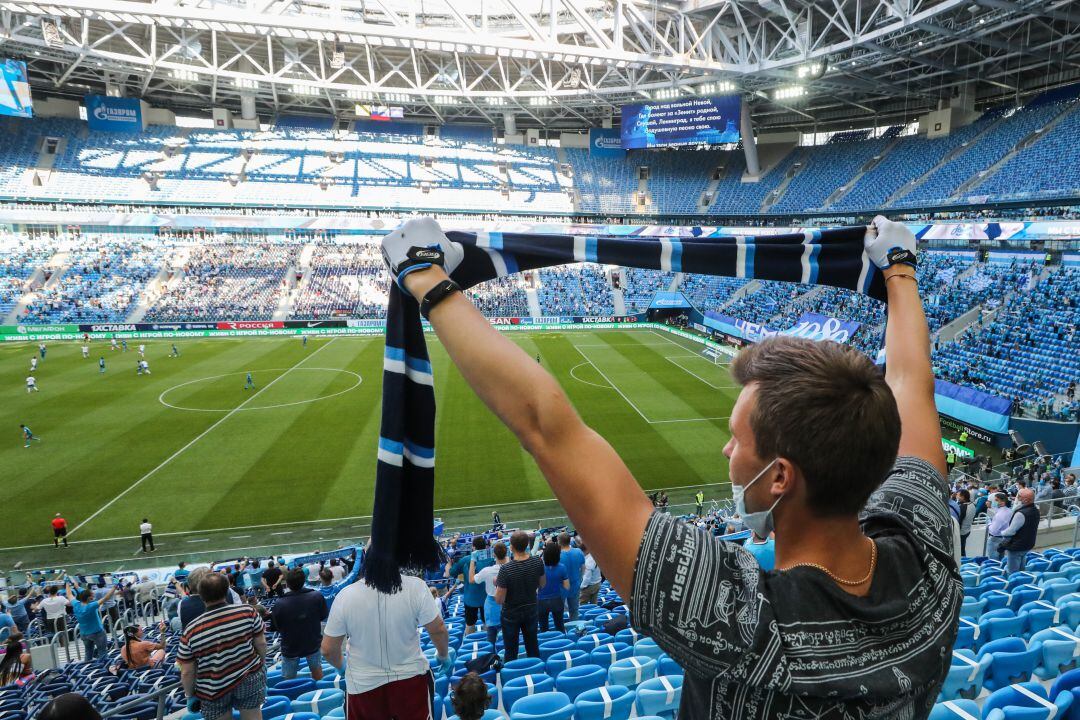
694,121
114,114
15,90
605,142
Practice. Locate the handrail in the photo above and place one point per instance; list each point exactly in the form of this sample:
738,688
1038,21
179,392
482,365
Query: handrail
159,695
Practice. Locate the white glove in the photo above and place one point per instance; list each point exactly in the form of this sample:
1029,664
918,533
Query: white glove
888,243
416,245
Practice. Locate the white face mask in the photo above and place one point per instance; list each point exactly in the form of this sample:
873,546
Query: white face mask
760,523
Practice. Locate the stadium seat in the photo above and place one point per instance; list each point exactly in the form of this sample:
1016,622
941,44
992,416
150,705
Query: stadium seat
966,676
666,665
955,710
520,667
293,688
318,701
611,702
590,642
659,696
628,635
605,655
276,705
632,671
549,648
1013,662
525,686
1000,623
967,634
647,647
566,659
1060,648
575,680
544,706
489,714
1026,701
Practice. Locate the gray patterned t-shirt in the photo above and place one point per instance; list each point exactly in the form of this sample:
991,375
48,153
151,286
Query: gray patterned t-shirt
792,644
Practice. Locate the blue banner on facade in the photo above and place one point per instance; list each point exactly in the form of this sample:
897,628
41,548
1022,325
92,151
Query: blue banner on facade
605,142
667,300
810,325
113,114
15,90
972,406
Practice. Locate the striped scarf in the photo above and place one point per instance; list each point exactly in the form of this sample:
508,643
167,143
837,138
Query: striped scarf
401,532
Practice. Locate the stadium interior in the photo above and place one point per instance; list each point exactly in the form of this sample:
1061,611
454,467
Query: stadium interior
206,183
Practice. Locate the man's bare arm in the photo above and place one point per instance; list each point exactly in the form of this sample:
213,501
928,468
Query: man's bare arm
589,479
331,649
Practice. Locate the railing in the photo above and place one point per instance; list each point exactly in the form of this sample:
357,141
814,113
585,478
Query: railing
160,696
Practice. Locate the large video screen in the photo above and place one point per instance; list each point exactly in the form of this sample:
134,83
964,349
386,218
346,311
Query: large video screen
694,121
14,89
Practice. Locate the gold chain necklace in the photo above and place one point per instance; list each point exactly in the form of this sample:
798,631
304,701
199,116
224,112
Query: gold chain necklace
842,581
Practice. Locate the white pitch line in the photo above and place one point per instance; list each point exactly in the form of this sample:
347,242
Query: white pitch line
675,361
613,385
681,420
605,387
197,438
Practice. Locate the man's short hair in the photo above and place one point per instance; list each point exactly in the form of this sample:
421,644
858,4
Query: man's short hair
564,540
85,595
213,588
519,541
479,542
296,579
826,408
499,550
326,576
194,578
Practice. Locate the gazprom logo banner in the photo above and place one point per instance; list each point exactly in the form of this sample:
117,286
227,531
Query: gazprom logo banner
605,142
114,114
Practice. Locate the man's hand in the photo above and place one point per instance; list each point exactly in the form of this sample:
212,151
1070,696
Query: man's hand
417,245
889,243
446,663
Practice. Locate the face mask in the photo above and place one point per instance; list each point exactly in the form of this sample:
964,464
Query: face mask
760,523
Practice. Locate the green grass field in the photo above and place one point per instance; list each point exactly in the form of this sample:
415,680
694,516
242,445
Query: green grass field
290,465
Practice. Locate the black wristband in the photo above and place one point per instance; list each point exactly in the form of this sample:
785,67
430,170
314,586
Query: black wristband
436,295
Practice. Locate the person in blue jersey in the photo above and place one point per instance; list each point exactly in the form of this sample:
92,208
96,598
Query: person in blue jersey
573,560
175,351
763,550
250,383
101,364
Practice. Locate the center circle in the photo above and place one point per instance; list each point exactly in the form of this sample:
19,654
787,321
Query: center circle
243,374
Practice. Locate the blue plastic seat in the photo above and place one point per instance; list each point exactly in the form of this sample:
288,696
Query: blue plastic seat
565,659
605,655
545,706
1039,615
549,635
1001,623
331,681
647,647
1013,662
276,706
557,645
575,680
966,675
319,701
525,686
1060,648
588,643
489,714
629,636
520,667
1026,701
612,702
632,671
1058,588
293,688
659,696
972,608
967,634
955,710
337,714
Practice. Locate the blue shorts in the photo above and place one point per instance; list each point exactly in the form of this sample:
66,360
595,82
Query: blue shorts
290,666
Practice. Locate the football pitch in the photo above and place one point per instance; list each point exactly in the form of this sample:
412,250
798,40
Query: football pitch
222,471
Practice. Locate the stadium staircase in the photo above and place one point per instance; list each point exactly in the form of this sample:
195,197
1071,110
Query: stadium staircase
1027,142
642,200
288,294
148,295
806,300
951,329
618,301
705,200
962,324
58,264
36,280
840,192
949,157
774,197
533,299
749,288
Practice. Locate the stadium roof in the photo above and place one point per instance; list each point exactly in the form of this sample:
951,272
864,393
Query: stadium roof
552,63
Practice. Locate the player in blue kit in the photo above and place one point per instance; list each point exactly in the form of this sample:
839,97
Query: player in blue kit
28,436
101,364
250,385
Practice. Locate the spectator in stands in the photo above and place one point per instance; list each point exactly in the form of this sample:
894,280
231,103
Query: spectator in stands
1022,530
221,655
1070,490
473,595
591,577
999,521
386,673
572,560
839,510
967,515
192,605
487,576
69,706
20,603
272,580
87,614
139,653
337,570
471,697
181,571
146,591
298,617
763,549
55,608
326,586
516,584
16,667
549,599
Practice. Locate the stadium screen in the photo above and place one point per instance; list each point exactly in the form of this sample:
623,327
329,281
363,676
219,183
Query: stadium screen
694,121
14,89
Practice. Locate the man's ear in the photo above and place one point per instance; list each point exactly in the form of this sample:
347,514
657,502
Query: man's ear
786,477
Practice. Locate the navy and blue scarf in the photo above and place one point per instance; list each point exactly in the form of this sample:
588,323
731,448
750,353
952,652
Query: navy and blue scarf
401,532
